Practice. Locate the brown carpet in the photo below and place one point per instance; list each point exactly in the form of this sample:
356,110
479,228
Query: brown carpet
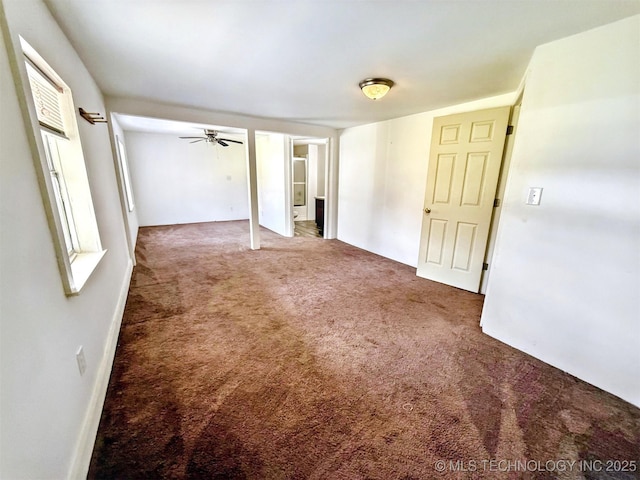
312,359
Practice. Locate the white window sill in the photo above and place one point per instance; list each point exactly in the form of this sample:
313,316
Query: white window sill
82,267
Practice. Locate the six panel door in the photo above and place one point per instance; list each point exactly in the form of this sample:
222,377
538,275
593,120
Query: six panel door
464,165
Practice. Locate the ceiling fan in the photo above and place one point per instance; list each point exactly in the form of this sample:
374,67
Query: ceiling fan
211,136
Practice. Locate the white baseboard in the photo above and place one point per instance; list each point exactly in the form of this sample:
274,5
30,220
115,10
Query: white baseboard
86,441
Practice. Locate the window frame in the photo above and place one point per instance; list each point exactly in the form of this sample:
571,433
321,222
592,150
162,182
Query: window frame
68,204
61,193
126,175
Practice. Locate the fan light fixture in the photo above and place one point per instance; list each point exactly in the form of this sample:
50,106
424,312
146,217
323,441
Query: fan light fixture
376,88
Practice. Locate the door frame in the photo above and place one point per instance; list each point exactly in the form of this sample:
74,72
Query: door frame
328,191
503,177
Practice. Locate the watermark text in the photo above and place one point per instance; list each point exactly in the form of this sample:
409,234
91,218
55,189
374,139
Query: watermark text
515,465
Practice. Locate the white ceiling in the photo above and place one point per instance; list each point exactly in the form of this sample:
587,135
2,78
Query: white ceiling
301,60
172,127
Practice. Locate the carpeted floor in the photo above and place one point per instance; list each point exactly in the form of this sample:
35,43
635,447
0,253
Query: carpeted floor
312,359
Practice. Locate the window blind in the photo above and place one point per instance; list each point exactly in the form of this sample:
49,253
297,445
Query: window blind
48,99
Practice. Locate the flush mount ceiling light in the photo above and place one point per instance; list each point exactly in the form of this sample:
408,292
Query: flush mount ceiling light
376,88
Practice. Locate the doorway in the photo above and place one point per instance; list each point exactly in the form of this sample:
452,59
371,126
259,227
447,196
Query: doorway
308,185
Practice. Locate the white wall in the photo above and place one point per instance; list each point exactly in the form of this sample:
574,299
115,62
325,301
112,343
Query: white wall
382,180
565,285
144,108
175,181
47,410
272,164
312,181
322,170
131,218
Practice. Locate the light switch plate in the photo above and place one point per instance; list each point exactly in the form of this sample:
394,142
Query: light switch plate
533,198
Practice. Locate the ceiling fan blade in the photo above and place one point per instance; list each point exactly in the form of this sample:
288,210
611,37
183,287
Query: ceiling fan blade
192,137
232,141
221,142
196,141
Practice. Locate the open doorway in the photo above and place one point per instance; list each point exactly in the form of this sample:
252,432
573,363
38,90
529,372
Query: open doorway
308,185
286,197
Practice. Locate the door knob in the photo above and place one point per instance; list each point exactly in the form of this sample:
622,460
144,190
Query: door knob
427,210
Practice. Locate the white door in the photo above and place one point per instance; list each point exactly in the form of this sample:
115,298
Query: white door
464,163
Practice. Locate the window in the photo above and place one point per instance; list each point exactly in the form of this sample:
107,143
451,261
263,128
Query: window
61,166
124,168
61,194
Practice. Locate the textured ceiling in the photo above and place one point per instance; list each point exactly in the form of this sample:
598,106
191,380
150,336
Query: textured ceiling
302,60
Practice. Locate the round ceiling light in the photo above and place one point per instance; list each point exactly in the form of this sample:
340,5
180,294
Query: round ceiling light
376,88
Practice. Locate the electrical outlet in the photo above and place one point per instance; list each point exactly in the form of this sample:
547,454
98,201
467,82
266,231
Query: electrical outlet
82,362
533,198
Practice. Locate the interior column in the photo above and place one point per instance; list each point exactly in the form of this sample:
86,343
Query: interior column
254,226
